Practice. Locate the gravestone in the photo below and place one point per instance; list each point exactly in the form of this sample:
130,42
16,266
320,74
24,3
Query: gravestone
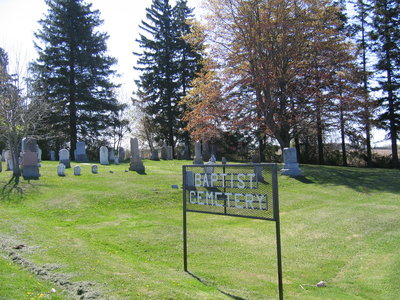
80,152
121,154
61,169
224,161
52,155
213,150
3,158
104,155
136,163
164,152
30,160
77,170
256,159
111,155
116,160
63,154
205,151
197,154
169,153
1,163
95,169
29,144
39,153
186,153
212,160
154,155
290,166
8,159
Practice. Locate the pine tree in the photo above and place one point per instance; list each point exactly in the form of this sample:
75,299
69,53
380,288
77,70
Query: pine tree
360,26
167,64
74,72
386,37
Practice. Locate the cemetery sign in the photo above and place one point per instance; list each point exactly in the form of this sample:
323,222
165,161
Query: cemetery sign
239,190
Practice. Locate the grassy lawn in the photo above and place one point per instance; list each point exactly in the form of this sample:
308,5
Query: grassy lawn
118,235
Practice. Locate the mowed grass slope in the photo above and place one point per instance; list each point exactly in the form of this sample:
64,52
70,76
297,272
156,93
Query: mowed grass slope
119,236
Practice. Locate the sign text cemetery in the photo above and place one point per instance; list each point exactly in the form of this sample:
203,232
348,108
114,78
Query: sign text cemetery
240,190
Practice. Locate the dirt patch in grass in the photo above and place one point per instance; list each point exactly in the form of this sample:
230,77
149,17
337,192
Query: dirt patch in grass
15,250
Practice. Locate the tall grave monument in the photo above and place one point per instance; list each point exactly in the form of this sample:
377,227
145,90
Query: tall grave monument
197,154
63,154
104,155
80,152
290,166
30,160
136,162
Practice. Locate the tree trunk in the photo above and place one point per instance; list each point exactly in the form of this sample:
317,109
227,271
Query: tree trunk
72,104
320,141
343,136
367,117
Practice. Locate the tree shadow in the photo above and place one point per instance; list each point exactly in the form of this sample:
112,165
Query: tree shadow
11,187
359,179
205,282
303,179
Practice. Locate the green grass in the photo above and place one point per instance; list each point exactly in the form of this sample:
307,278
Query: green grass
119,236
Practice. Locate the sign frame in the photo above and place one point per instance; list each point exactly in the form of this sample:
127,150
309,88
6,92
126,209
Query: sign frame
275,218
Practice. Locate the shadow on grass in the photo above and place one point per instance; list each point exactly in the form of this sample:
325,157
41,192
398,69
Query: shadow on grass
303,179
11,187
203,281
359,179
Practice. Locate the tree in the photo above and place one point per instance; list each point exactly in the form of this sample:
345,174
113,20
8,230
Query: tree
73,72
360,25
386,38
167,64
18,116
277,56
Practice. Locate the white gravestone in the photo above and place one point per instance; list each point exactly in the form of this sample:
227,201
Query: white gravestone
63,154
80,152
111,155
136,163
39,153
94,169
290,166
61,170
104,155
8,159
198,160
121,154
77,170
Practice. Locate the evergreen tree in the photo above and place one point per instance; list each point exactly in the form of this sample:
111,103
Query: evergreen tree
386,37
167,64
361,26
73,72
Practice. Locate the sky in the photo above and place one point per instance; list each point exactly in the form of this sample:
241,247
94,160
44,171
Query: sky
19,20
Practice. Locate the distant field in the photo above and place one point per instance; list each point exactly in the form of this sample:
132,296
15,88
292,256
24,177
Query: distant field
118,235
384,152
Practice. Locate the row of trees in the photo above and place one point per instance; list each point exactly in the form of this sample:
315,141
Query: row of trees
69,93
294,70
